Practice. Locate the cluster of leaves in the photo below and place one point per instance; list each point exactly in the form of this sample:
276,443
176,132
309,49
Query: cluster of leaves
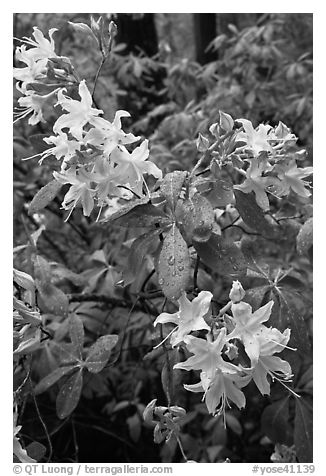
189,232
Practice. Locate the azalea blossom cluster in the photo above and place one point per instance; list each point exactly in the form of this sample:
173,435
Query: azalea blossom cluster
40,80
272,165
223,373
95,160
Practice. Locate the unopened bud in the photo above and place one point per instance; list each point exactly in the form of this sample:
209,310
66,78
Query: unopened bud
113,29
237,292
148,414
214,130
226,121
202,143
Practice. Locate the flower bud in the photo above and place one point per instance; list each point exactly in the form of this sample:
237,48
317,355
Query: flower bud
226,121
237,292
148,414
202,143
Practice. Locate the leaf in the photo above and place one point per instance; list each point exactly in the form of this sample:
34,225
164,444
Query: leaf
285,314
134,425
51,299
197,217
69,394
126,208
52,378
137,253
303,430
99,353
174,264
305,237
255,296
76,332
142,216
219,192
44,196
251,213
171,186
222,256
275,422
36,450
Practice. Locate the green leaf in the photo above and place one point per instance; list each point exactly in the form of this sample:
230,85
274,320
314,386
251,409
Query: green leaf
69,394
44,196
275,422
303,430
52,378
222,256
171,186
174,264
251,213
99,353
305,237
197,217
76,332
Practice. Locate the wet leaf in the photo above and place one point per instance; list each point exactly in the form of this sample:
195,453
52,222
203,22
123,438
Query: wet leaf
197,217
171,186
99,353
222,256
251,213
52,378
69,394
174,264
76,332
305,237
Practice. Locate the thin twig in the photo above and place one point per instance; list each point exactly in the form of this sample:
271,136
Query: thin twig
42,422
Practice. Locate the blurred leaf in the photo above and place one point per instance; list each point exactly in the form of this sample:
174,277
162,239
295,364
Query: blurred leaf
69,394
303,430
275,422
44,196
99,353
36,450
134,425
174,264
38,143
